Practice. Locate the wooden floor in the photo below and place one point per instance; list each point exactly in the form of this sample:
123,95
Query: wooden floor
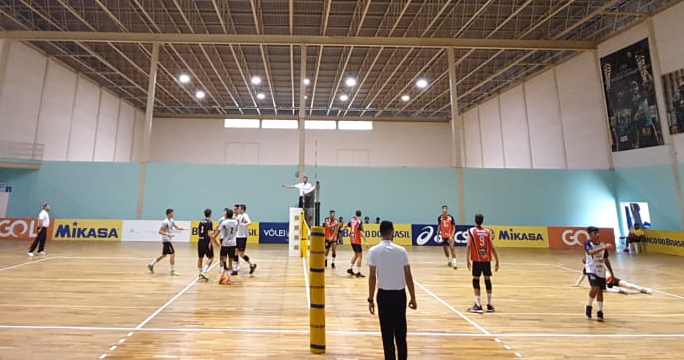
95,300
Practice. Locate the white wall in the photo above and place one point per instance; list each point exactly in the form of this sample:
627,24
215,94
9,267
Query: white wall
473,139
388,144
516,134
44,101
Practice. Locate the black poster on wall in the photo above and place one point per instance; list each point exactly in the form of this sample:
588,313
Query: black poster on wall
630,98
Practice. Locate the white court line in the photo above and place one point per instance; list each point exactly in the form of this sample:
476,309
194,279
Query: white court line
496,337
27,263
306,281
471,322
652,289
140,258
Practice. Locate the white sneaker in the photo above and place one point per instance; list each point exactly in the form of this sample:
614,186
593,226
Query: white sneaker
30,254
42,253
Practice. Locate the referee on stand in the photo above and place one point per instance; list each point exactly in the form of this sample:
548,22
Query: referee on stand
389,266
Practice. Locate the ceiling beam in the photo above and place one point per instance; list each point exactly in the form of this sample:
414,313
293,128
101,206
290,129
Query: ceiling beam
308,117
366,41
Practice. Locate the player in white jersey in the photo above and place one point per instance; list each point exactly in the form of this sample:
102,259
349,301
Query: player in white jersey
166,231
217,237
616,285
228,229
595,266
242,235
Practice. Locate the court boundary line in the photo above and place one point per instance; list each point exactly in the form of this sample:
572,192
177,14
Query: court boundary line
470,321
27,263
337,332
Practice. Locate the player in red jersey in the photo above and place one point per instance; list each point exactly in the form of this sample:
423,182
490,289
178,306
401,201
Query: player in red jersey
355,237
480,250
331,232
447,229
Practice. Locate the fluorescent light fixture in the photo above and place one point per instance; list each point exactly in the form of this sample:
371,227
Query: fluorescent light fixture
355,125
184,78
261,96
256,80
422,83
200,94
307,81
241,123
320,124
405,98
350,82
279,124
344,97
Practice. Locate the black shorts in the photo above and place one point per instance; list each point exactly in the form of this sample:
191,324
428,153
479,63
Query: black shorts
482,268
241,244
612,281
168,248
204,248
329,243
357,248
597,281
445,241
228,251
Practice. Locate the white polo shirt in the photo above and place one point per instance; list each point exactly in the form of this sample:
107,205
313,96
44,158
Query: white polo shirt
243,225
389,260
44,218
304,188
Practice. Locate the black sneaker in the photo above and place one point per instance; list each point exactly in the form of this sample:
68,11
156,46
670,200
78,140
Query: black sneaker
233,273
476,309
359,275
332,265
490,308
252,268
625,250
599,316
587,312
350,271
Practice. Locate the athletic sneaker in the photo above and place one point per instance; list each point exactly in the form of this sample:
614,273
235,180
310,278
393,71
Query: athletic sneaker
234,272
359,275
599,316
490,308
42,253
332,265
252,267
227,281
174,273
222,279
203,276
449,264
30,254
625,250
476,309
350,271
645,291
149,266
587,312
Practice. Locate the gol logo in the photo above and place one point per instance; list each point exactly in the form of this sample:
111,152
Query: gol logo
18,228
574,237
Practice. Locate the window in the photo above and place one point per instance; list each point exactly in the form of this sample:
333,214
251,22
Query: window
279,124
320,125
355,125
241,123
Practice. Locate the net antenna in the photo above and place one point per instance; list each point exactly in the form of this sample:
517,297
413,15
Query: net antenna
317,190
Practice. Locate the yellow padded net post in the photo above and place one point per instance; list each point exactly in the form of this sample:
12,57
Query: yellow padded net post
317,290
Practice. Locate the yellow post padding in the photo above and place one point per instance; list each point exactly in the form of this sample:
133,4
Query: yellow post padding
317,290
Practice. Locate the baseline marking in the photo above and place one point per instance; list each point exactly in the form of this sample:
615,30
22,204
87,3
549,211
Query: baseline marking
27,263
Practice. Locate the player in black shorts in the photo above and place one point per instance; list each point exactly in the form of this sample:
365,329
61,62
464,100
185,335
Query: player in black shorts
204,244
242,235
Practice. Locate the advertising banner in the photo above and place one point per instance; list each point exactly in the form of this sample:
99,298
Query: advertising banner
630,98
148,230
253,237
574,237
427,235
402,234
673,89
665,242
76,229
273,232
520,236
21,229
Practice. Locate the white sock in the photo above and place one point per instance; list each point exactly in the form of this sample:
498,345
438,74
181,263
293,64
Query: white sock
489,299
600,305
590,302
172,268
351,266
206,267
478,301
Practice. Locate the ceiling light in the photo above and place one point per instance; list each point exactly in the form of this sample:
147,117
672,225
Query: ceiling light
184,78
307,81
200,94
256,80
422,83
405,98
350,81
261,96
306,97
344,97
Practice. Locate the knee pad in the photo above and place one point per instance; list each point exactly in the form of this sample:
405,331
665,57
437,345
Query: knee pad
476,283
246,258
488,284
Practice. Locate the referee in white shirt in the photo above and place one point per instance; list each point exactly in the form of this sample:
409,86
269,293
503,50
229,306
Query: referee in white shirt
389,267
43,225
305,188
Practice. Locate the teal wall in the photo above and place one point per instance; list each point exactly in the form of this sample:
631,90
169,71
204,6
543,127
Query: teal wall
541,197
74,189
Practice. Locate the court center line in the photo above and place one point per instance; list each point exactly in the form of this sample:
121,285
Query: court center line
28,263
652,289
471,322
306,282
